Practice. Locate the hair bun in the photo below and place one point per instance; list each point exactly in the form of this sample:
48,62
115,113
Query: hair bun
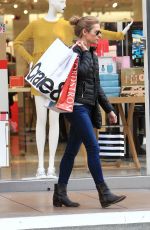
74,20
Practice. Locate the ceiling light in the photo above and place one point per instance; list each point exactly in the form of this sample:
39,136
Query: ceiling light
35,1
12,16
115,5
25,11
15,6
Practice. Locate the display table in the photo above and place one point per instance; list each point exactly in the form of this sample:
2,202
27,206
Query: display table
126,122
129,100
19,90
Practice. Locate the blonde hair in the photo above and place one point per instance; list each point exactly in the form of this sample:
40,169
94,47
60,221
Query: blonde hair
81,23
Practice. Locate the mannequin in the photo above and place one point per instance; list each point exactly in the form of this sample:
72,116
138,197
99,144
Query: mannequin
54,8
43,32
42,41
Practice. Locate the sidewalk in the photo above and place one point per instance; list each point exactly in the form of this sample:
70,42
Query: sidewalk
134,209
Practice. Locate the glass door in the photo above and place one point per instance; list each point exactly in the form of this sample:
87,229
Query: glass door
123,58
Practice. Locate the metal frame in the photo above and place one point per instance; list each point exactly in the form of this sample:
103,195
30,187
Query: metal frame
146,29
130,182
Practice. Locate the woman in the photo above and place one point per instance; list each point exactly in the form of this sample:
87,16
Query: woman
88,92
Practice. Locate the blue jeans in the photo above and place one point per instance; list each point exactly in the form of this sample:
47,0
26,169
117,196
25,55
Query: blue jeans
81,131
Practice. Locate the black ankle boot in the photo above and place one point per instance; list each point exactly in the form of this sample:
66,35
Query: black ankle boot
106,197
60,197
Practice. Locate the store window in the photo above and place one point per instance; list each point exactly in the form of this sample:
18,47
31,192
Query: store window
121,64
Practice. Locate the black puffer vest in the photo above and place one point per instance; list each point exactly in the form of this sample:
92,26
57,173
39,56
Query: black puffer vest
88,88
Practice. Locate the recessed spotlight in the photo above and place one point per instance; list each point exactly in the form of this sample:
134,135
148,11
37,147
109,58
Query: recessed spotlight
35,1
115,4
25,11
15,6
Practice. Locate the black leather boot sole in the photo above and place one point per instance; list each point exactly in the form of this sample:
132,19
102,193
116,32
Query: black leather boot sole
60,203
107,204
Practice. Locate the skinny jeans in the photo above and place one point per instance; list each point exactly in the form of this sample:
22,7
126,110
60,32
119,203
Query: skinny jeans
81,131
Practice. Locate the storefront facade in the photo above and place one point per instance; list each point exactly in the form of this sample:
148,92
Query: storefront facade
146,6
128,58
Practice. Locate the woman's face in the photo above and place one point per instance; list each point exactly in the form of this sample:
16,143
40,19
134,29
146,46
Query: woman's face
59,5
93,35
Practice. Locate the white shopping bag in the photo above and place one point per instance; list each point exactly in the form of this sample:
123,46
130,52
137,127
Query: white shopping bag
66,98
50,72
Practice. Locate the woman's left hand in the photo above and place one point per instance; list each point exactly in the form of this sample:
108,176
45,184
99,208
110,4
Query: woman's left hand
112,117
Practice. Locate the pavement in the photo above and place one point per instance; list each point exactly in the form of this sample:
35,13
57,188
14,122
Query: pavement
34,210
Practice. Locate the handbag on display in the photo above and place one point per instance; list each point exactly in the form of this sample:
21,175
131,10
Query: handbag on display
111,142
96,116
49,74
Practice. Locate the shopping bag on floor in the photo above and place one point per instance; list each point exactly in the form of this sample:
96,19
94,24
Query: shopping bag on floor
50,72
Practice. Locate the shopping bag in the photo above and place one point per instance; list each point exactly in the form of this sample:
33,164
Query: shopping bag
50,72
66,98
67,95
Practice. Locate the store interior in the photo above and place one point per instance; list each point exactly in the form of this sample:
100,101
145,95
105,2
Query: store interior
128,54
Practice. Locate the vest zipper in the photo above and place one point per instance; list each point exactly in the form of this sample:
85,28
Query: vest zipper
83,88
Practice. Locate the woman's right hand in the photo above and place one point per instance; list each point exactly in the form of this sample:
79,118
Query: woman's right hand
82,45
